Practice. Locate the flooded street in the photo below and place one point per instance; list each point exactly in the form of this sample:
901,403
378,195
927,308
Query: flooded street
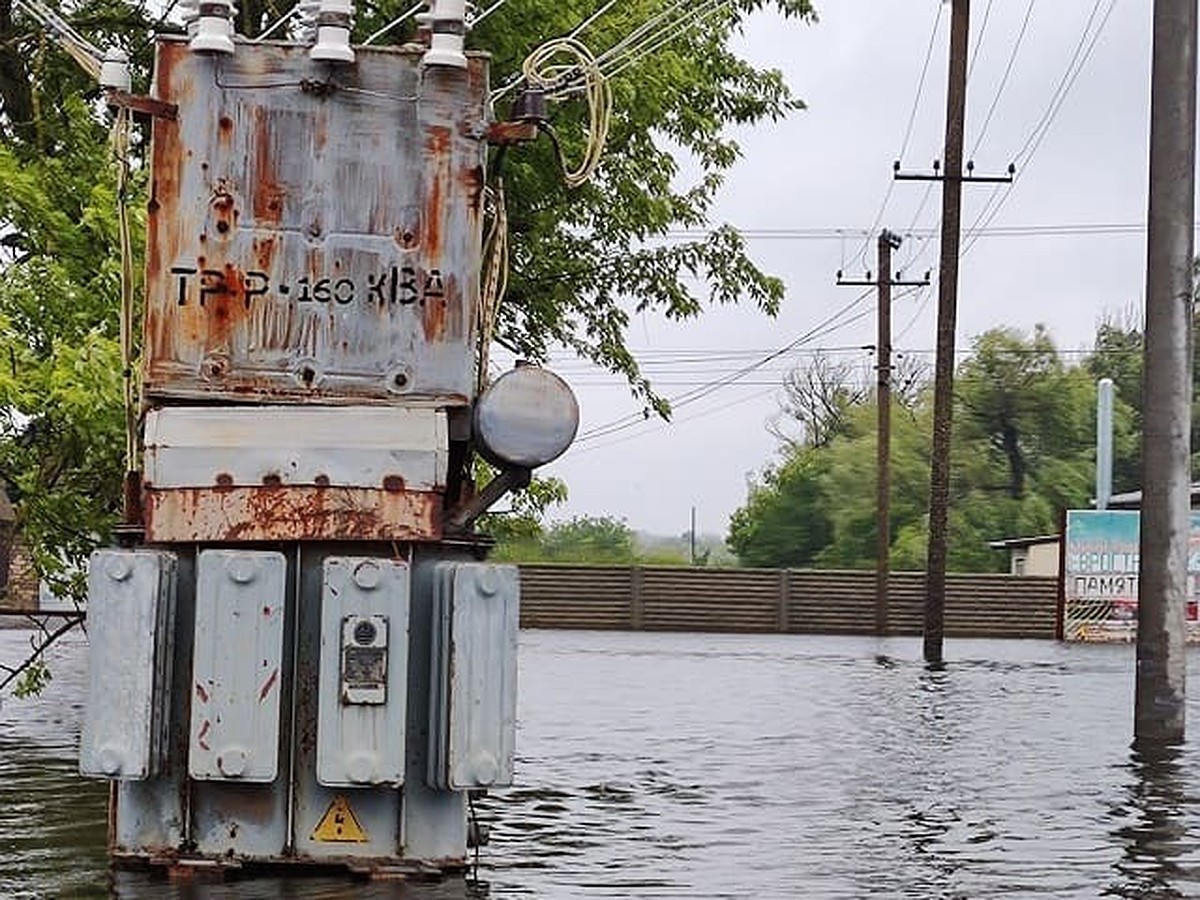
662,765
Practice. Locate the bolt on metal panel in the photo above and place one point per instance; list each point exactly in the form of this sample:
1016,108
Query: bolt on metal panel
473,706
363,671
131,609
345,446
237,663
314,235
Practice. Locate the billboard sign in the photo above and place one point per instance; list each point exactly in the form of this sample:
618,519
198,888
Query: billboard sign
1100,575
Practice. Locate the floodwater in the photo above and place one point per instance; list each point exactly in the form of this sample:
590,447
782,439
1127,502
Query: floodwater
697,766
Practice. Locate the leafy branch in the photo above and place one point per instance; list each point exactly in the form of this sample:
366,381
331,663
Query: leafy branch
32,673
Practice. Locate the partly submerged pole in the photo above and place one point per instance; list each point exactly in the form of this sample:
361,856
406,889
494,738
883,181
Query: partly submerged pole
943,376
1159,713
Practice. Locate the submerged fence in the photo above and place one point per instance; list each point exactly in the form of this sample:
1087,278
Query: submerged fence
797,601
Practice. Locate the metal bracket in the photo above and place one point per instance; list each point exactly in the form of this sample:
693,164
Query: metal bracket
467,512
505,134
139,103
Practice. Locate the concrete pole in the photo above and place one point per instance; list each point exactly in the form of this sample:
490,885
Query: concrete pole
1104,442
883,431
1159,714
943,379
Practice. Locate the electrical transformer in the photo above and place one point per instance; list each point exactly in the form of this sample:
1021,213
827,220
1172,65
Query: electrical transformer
298,653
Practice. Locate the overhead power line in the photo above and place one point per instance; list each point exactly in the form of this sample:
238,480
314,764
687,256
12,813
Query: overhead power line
837,233
836,320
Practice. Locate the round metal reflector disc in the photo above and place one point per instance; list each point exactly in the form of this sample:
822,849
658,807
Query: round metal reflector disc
527,417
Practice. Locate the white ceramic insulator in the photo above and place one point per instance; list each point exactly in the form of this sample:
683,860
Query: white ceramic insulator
114,71
335,18
448,23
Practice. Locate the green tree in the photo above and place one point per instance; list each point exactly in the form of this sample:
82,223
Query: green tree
1022,450
1015,392
784,522
583,260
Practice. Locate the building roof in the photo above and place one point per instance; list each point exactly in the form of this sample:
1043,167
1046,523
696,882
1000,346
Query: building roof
1133,499
1018,542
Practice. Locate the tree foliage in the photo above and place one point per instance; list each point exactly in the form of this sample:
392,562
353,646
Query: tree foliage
1023,449
583,260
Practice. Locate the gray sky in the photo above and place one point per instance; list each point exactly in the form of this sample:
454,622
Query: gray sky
829,167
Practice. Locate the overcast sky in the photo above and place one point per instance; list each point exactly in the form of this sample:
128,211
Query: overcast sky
829,168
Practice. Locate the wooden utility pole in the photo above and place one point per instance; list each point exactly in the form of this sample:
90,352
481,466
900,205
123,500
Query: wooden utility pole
1159,713
952,180
943,378
888,241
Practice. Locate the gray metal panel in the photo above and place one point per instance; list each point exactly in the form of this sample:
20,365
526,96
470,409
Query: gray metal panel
339,446
377,809
476,610
236,669
130,617
435,820
362,743
314,235
150,816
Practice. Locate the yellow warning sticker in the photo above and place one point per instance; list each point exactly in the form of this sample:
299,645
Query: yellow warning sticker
339,825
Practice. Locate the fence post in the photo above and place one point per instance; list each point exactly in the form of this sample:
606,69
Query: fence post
636,602
784,600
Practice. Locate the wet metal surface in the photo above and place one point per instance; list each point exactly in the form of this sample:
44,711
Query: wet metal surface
658,765
278,513
314,234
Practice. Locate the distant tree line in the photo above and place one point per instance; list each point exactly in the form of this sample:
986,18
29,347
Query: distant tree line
1023,449
601,540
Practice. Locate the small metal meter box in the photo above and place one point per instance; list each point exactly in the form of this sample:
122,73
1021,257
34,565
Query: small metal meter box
364,671
473,694
364,660
237,665
131,616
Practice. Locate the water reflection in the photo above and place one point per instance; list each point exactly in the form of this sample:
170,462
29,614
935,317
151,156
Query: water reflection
705,766
1159,851
139,886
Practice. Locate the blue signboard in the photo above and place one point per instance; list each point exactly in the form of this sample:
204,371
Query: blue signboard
1100,574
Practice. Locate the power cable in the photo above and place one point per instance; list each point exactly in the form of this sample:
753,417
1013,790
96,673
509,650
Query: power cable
1012,58
830,233
978,44
1034,141
1074,65
860,256
692,396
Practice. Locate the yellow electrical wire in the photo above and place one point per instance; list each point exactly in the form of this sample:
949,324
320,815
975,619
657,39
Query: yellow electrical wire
122,126
547,68
495,282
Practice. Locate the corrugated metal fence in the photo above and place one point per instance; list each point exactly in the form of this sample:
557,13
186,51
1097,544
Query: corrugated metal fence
800,601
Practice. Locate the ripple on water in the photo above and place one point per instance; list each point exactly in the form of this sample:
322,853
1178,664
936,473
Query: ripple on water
734,766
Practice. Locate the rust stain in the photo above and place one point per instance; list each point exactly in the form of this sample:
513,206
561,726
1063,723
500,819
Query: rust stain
202,737
201,692
433,318
455,326
267,199
473,181
437,146
162,227
264,252
225,131
225,309
393,483
292,513
266,688
245,803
